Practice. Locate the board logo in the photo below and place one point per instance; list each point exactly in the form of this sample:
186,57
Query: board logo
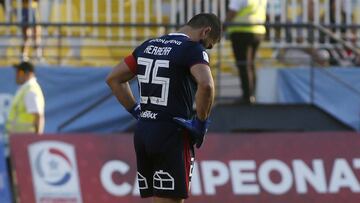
54,171
53,166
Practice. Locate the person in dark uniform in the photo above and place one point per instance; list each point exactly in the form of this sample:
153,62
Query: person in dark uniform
173,73
29,17
2,3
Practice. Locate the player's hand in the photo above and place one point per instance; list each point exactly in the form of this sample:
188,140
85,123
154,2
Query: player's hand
135,111
196,127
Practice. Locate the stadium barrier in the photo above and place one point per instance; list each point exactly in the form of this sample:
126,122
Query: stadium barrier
178,12
268,167
79,29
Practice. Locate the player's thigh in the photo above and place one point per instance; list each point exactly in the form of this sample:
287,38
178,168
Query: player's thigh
144,164
172,168
165,145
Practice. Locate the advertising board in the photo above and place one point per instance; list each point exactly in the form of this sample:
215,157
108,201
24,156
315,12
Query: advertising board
268,167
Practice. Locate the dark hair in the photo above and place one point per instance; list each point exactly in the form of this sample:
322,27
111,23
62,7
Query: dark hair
25,66
207,20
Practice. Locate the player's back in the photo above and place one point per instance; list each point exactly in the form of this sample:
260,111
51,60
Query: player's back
167,88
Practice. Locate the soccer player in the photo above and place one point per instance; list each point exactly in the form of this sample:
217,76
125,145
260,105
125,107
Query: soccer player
173,73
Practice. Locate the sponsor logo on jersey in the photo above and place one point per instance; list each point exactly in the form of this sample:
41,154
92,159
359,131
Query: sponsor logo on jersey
148,114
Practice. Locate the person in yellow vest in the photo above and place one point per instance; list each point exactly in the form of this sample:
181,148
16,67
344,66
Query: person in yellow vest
246,40
26,113
29,16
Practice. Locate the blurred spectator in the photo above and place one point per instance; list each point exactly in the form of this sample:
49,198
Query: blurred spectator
246,40
2,2
273,15
26,113
308,55
29,16
340,14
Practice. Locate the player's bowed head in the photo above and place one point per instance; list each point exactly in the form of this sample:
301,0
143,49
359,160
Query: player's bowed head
205,28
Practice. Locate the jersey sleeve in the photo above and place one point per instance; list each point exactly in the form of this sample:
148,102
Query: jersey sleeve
196,55
130,61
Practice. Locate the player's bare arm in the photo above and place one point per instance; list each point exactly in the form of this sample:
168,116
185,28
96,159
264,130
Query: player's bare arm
204,97
118,82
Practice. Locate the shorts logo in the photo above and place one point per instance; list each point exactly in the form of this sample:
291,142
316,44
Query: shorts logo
143,185
163,181
148,114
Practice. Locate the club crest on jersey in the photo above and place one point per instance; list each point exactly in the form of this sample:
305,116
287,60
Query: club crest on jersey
206,56
148,114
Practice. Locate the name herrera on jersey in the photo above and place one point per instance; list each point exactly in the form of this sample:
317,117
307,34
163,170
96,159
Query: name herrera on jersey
159,51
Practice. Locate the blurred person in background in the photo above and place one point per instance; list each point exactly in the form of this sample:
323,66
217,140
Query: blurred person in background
340,13
246,40
273,15
337,54
26,113
29,17
173,73
2,3
302,55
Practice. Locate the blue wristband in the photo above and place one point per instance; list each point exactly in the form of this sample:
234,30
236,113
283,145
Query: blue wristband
202,128
135,111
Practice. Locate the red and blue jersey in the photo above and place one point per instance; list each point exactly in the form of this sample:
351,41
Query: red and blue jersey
162,66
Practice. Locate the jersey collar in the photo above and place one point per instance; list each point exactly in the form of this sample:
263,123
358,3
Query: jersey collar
178,34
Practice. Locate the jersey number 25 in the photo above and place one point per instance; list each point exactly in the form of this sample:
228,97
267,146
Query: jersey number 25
154,79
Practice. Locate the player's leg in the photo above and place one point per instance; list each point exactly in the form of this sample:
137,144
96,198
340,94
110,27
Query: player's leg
143,162
167,200
172,165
